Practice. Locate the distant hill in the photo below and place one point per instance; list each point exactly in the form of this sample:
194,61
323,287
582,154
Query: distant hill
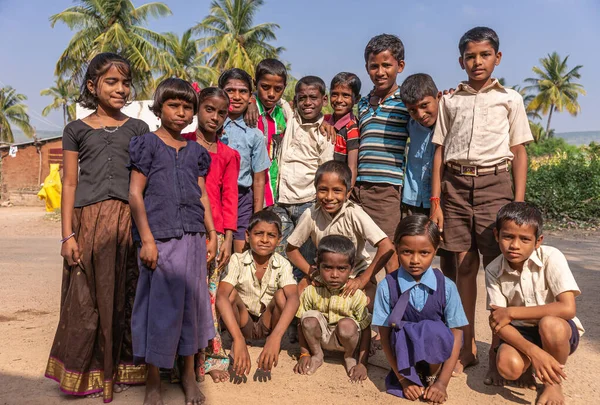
579,138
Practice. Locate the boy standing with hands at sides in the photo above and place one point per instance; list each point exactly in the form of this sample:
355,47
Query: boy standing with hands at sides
343,94
258,296
481,128
382,119
303,150
531,295
331,320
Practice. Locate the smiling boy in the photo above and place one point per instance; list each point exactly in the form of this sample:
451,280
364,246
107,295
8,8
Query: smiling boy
481,133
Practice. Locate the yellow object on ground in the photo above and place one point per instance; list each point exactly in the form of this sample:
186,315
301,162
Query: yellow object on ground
51,189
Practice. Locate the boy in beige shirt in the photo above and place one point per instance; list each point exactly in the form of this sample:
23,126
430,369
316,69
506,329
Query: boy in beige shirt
531,295
480,134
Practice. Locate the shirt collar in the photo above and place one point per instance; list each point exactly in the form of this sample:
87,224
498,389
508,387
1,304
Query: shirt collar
406,281
248,259
239,122
345,206
534,258
464,86
341,123
309,124
396,95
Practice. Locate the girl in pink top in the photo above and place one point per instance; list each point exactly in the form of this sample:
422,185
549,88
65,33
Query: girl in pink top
222,190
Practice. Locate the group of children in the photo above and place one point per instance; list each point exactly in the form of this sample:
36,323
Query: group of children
260,219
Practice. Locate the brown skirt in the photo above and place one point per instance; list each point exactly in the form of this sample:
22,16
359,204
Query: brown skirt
92,347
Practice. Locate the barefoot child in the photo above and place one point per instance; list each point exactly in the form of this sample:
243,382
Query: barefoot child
258,296
92,345
331,320
222,190
481,133
172,215
419,315
531,295
344,93
334,214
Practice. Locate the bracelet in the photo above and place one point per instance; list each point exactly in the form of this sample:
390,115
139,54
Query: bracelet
63,240
434,199
303,355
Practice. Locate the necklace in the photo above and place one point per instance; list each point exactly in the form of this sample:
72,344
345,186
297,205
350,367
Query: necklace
110,129
204,141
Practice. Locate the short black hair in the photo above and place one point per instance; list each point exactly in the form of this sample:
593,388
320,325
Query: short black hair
337,244
210,92
347,79
270,66
339,168
385,42
418,224
237,74
173,89
311,81
97,68
479,34
521,213
265,216
416,87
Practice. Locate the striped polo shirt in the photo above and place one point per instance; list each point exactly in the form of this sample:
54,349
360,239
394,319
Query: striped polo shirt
383,138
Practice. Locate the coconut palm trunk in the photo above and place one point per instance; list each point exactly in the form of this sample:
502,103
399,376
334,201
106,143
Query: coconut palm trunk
549,118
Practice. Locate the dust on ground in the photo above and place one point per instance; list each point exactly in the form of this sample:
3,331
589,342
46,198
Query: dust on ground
30,270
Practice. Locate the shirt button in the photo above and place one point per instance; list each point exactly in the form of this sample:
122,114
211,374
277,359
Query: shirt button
109,159
110,177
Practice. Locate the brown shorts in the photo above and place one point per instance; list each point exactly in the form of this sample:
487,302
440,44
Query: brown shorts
255,328
408,210
329,339
470,205
381,202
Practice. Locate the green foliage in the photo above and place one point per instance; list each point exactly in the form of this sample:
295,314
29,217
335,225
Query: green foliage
568,189
64,93
550,146
13,112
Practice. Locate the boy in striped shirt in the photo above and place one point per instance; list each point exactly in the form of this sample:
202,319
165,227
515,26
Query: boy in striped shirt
382,120
328,319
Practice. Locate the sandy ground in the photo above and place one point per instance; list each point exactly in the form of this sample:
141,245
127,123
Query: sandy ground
30,270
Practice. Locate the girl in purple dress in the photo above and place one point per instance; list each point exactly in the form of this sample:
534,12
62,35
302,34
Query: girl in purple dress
419,314
172,313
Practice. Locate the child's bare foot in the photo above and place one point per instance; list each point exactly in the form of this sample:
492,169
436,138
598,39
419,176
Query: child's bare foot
308,365
358,373
302,366
94,395
493,377
552,395
219,376
193,396
120,388
411,390
153,395
465,361
375,345
527,380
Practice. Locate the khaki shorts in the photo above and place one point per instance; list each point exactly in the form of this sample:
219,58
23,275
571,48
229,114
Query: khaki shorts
255,328
470,205
381,202
329,340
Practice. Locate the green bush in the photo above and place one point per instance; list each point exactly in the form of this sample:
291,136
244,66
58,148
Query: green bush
568,189
550,146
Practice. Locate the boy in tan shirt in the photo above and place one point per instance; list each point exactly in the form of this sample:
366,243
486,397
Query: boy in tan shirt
481,129
531,295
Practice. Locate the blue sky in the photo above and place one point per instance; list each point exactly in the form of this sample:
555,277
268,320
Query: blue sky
323,37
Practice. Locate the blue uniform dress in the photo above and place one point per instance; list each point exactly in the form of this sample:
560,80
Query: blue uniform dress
172,313
420,316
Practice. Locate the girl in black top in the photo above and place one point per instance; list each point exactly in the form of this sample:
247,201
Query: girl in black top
91,352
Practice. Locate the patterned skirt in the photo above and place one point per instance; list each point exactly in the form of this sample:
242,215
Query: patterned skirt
92,346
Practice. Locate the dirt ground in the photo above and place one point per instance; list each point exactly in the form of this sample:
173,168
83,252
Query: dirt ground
30,271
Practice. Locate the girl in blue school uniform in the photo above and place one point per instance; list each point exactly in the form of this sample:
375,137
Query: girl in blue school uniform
172,314
419,314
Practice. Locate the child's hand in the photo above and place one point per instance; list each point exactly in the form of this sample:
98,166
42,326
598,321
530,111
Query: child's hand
149,255
546,368
358,373
270,355
352,285
251,116
436,216
211,247
499,318
436,393
224,255
328,131
411,390
70,251
241,358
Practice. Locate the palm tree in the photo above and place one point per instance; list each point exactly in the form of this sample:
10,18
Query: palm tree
182,58
232,40
13,111
111,26
527,98
65,93
554,87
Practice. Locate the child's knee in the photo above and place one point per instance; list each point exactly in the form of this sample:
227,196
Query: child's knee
347,328
310,324
554,329
509,364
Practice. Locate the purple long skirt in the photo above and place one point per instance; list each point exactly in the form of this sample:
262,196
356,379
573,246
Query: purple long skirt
171,313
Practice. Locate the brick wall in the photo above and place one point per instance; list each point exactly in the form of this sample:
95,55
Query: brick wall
20,174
